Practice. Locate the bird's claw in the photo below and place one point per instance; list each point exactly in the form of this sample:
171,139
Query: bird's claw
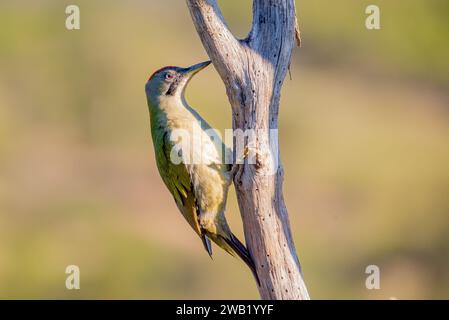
247,151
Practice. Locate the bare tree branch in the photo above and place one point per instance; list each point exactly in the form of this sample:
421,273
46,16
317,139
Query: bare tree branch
253,71
220,44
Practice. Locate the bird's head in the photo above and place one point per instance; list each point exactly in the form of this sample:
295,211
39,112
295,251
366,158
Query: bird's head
171,81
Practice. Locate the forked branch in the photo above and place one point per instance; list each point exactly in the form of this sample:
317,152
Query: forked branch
253,70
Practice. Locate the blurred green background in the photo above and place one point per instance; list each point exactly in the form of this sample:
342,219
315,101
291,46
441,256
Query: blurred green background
364,129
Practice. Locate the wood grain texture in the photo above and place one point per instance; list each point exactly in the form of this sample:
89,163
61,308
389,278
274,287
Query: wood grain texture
253,70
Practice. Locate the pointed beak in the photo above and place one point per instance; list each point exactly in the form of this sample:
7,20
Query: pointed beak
190,71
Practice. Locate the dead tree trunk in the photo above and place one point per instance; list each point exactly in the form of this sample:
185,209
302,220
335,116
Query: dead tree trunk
253,70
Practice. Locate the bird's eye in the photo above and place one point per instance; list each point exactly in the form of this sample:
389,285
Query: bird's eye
169,76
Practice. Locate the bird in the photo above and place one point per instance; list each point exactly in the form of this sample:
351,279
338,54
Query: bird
199,188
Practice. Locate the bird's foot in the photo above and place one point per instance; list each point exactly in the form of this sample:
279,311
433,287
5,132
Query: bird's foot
249,154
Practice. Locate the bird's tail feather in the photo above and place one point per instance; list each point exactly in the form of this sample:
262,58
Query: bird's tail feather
243,253
207,244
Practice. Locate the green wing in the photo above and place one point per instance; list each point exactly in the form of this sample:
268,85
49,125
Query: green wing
177,180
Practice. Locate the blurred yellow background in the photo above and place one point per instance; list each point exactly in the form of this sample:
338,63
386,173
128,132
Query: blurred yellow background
364,129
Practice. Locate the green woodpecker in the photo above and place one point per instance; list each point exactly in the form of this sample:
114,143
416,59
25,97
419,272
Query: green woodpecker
199,188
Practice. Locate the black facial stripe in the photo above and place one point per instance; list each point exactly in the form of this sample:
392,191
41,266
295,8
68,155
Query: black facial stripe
173,86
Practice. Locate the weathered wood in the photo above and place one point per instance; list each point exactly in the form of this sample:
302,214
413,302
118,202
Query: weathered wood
253,70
